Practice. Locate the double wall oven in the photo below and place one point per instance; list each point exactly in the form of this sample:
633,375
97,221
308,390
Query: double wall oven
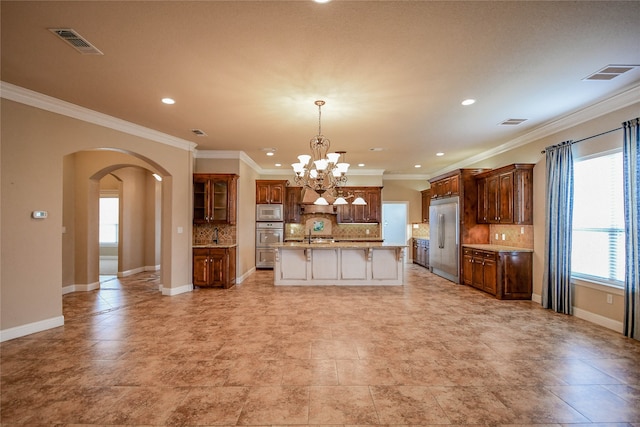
269,229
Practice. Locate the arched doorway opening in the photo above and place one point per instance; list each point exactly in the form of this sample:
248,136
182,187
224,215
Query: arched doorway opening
142,191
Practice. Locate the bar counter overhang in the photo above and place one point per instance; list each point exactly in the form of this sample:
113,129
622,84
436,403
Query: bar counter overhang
338,264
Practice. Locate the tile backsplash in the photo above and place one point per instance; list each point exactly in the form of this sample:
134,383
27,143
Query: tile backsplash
519,236
203,233
420,230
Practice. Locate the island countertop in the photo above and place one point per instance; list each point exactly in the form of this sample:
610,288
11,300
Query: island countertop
321,245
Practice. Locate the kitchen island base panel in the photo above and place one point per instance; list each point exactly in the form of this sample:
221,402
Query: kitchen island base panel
306,265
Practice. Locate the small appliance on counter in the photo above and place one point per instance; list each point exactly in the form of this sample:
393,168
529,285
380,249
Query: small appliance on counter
269,229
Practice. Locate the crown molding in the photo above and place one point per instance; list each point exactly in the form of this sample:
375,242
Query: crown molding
229,154
54,105
616,102
405,177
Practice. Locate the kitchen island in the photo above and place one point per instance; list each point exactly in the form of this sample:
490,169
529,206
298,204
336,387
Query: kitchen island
338,263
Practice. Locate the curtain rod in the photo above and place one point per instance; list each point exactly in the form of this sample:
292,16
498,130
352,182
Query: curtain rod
589,137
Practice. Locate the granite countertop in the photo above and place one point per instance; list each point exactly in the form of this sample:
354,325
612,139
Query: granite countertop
214,245
495,248
324,245
338,239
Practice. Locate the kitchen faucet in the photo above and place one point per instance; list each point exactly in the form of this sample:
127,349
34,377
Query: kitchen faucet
309,236
215,235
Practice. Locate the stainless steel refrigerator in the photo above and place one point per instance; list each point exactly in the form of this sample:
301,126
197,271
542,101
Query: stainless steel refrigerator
444,240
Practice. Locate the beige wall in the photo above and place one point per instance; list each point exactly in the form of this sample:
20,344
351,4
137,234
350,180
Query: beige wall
37,175
406,191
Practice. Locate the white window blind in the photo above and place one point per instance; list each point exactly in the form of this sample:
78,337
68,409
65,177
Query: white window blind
598,220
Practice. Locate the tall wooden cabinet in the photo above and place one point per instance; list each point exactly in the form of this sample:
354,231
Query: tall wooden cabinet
426,202
214,198
505,195
270,191
293,197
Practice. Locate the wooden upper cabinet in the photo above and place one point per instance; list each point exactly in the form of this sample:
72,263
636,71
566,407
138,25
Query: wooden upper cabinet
505,195
369,213
270,191
445,187
426,202
214,198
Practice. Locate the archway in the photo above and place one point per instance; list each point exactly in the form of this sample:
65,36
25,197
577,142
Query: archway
146,214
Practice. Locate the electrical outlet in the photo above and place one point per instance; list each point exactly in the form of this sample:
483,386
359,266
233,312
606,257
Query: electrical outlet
497,237
609,299
504,237
521,230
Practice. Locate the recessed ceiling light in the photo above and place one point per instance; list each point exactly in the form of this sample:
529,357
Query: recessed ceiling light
270,153
168,101
440,154
468,101
321,1
417,166
278,165
361,165
376,149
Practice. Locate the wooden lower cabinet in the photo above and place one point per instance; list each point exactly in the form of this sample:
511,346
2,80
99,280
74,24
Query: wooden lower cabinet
504,274
421,252
214,267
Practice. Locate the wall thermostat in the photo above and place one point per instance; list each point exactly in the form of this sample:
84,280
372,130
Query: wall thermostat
39,214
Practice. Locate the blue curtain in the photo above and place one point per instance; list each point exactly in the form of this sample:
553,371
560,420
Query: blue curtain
556,286
631,171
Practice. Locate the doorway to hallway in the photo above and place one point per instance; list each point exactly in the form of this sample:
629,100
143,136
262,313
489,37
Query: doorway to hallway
395,221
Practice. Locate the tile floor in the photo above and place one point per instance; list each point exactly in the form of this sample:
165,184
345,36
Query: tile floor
428,353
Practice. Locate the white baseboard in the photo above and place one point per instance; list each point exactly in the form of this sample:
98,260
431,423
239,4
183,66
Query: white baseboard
31,328
152,268
245,275
131,272
590,317
176,291
80,288
598,320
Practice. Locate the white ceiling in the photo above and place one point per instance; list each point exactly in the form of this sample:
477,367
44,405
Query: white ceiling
392,73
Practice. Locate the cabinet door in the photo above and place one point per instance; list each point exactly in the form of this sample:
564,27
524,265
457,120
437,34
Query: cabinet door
200,267
481,185
489,274
262,193
454,185
516,275
201,206
345,213
292,204
426,202
218,267
493,193
276,194
467,267
505,198
373,211
415,251
477,271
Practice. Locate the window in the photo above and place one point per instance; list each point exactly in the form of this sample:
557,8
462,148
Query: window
109,213
598,220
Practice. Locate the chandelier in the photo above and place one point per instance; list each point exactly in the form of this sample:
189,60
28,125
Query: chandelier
322,171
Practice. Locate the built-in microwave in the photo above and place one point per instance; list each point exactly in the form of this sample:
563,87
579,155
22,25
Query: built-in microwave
269,213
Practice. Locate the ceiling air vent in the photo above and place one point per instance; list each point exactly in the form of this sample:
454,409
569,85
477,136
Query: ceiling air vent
76,41
609,72
512,122
198,132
